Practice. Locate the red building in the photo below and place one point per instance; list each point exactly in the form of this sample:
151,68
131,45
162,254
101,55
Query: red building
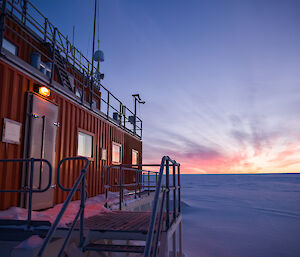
52,105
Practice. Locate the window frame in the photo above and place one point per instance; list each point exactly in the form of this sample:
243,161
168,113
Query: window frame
14,44
93,143
121,152
137,159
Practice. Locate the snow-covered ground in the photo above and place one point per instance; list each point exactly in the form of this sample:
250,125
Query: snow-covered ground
94,206
241,215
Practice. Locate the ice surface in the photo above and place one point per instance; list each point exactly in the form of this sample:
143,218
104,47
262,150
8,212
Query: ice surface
241,215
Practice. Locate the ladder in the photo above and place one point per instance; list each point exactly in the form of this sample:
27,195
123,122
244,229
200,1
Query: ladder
61,70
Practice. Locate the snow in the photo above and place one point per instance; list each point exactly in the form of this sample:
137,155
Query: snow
31,242
241,215
94,206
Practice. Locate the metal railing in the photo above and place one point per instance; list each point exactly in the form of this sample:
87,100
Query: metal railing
40,32
139,183
165,182
161,199
79,185
29,189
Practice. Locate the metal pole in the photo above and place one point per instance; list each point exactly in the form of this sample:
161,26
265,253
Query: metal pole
2,22
24,11
136,183
179,204
121,187
174,192
82,207
107,111
53,54
134,126
30,193
82,88
45,29
174,244
148,182
92,72
12,7
143,181
180,239
106,188
168,195
140,179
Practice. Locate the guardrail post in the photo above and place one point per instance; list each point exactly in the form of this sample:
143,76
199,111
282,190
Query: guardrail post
148,182
136,182
168,195
30,193
107,104
91,91
45,29
24,11
121,187
174,192
106,188
178,170
12,7
53,54
82,88
140,174
2,22
82,207
143,181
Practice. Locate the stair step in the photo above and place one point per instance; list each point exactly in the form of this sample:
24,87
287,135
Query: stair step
114,248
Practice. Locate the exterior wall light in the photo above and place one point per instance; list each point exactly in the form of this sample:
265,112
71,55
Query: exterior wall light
44,91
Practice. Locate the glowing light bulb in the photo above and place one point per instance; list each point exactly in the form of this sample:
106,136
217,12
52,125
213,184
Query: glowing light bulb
44,91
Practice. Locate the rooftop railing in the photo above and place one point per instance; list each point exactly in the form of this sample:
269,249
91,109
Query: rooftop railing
41,34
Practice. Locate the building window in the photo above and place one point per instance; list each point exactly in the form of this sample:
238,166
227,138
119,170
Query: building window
9,46
135,156
85,144
116,153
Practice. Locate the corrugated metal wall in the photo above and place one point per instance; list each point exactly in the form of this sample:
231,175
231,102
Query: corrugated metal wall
13,86
71,117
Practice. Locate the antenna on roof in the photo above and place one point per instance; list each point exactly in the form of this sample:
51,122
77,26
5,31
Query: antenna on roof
132,119
98,56
73,35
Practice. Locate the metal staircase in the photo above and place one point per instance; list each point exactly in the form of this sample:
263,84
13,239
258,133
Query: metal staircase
145,227
149,231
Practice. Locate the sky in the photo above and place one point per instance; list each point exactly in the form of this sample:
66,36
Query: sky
221,78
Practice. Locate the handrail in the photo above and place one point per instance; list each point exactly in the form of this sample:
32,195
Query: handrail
137,184
30,189
79,182
165,190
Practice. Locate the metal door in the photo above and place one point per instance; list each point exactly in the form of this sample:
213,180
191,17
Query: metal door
41,132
